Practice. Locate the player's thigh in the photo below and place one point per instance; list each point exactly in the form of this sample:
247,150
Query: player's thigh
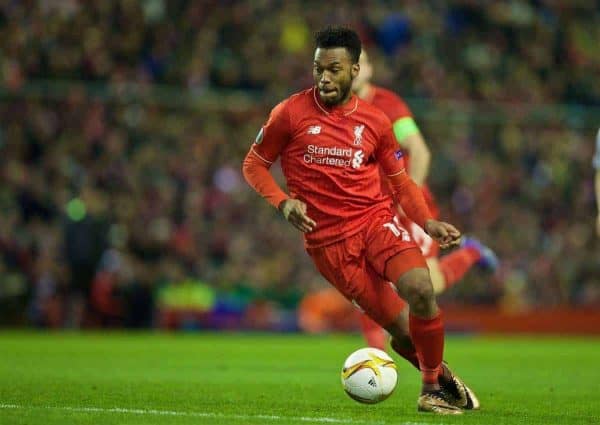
387,239
339,263
352,276
379,298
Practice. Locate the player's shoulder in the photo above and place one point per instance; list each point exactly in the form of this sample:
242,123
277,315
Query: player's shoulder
387,94
374,113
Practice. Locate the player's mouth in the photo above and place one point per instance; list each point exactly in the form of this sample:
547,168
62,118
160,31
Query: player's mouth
328,93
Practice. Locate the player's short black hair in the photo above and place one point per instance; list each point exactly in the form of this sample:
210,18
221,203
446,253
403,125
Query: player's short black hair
331,37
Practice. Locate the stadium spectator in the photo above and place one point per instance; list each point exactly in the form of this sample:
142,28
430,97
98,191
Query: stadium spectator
79,108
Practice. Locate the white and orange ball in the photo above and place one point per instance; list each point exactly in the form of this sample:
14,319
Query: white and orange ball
369,375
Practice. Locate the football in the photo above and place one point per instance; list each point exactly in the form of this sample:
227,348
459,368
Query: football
369,375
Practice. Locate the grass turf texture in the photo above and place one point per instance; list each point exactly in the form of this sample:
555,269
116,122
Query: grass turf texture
246,379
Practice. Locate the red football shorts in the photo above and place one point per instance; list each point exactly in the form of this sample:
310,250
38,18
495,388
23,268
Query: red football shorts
429,248
356,266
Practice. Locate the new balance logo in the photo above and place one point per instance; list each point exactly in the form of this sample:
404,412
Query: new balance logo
314,129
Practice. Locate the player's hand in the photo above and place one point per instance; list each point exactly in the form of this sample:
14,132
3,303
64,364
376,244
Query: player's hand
444,233
294,211
598,225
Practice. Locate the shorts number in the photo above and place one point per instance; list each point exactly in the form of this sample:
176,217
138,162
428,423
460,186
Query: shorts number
397,229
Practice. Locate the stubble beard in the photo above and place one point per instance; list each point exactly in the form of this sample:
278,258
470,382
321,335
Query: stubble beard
343,95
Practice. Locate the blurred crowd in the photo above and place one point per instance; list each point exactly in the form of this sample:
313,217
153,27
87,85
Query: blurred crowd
131,211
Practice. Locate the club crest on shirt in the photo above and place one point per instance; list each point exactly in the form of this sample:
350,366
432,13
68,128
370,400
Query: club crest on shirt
358,131
259,136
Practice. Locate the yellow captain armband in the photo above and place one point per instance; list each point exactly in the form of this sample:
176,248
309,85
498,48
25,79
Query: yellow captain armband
404,127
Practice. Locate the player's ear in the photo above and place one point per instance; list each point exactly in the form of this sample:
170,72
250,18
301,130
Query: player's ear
354,71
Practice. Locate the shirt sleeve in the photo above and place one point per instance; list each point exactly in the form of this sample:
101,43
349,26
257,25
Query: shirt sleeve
274,135
405,191
389,155
596,159
271,139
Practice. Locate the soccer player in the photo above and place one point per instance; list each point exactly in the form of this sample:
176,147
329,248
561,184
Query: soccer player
596,163
331,145
448,270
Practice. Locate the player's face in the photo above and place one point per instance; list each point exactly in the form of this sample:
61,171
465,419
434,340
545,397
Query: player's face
333,72
365,74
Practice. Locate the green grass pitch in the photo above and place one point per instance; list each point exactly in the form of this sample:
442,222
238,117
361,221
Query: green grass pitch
207,378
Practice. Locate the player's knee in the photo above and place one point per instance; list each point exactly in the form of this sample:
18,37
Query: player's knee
416,288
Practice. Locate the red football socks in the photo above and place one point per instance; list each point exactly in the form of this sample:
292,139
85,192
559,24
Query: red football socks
428,337
456,264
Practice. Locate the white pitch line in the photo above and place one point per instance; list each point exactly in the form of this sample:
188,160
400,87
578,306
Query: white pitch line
155,412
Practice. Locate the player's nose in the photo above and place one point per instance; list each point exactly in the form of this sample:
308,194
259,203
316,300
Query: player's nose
325,79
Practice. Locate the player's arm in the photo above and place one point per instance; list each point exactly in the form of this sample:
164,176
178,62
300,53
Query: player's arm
409,195
271,139
409,137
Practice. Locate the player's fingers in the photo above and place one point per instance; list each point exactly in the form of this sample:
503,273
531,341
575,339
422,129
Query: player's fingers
442,233
309,221
302,222
301,226
294,219
453,231
307,226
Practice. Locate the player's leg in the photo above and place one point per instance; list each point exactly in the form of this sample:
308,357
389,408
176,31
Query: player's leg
448,270
401,343
400,340
453,266
430,250
374,334
344,265
394,256
417,333
424,319
441,389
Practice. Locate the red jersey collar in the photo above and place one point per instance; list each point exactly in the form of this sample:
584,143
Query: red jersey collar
346,109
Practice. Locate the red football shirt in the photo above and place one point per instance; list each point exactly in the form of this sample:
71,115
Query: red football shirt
395,108
330,158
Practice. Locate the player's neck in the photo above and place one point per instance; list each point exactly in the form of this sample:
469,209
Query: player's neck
365,91
344,101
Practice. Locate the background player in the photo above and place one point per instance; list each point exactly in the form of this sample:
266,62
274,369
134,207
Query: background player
448,270
331,145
